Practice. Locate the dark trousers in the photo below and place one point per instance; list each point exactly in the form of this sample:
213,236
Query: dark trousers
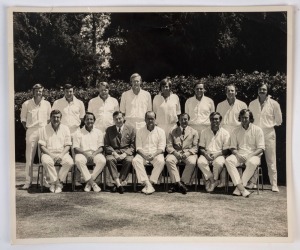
111,162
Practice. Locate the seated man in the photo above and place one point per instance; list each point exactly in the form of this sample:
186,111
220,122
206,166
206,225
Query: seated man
214,144
182,146
119,147
150,146
55,143
88,147
247,145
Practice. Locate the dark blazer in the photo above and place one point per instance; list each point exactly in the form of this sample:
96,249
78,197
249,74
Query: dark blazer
125,145
189,142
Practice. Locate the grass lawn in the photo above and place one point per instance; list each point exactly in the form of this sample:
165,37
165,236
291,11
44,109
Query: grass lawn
199,214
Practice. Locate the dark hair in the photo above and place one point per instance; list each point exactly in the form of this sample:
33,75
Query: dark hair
244,111
55,112
68,86
165,81
231,84
215,113
185,114
116,113
199,82
148,112
89,113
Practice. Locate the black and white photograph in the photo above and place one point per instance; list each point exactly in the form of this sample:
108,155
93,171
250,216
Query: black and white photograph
150,123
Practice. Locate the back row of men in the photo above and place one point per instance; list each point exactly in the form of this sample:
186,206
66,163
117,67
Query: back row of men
199,120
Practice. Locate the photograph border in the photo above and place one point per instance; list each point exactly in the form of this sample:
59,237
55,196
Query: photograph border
289,184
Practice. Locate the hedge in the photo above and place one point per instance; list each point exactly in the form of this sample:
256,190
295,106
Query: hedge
246,83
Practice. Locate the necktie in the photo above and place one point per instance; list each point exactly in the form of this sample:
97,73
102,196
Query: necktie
119,133
183,132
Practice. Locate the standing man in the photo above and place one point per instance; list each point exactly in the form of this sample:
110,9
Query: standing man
229,110
150,146
119,144
182,146
73,111
135,103
55,142
103,106
35,114
214,145
267,114
247,145
199,108
88,146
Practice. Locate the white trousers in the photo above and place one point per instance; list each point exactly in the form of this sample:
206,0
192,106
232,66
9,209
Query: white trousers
32,137
81,161
270,155
190,163
66,164
217,163
232,163
158,163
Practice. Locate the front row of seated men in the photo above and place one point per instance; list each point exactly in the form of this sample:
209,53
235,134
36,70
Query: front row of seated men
246,145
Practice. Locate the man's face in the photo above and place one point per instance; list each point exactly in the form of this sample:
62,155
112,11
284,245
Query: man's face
184,121
199,90
165,89
136,83
119,120
150,119
69,93
103,91
215,121
38,92
230,92
55,120
89,121
263,91
245,119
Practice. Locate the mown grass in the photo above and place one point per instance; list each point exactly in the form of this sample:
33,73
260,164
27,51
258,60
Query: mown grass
80,214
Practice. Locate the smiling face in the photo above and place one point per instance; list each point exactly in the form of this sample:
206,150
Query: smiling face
184,120
136,83
38,93
55,120
199,90
89,122
150,119
215,121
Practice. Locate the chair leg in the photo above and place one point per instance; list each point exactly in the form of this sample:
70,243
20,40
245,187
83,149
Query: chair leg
73,177
38,176
134,181
196,178
42,179
104,176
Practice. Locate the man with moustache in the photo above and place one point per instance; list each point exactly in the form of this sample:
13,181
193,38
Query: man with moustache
88,146
103,106
119,144
55,143
229,110
182,146
35,114
267,114
135,103
214,144
150,146
247,145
